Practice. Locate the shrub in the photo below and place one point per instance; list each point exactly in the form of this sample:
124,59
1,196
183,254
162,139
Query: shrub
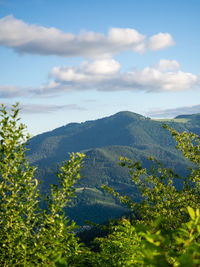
159,194
29,235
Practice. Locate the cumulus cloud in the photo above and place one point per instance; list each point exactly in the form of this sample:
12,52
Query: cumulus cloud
105,75
165,76
87,72
102,67
171,113
161,41
34,39
168,65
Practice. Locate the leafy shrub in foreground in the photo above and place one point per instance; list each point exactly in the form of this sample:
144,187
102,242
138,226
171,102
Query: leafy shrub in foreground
168,232
160,196
29,235
140,244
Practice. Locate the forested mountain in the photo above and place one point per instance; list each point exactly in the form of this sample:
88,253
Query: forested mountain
104,141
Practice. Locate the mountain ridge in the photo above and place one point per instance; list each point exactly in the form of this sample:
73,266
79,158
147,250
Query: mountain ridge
104,141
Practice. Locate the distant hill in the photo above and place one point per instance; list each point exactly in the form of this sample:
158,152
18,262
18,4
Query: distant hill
104,141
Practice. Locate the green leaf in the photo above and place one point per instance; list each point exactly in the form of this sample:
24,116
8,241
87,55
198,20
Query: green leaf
191,213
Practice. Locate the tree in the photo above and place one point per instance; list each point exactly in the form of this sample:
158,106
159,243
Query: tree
29,235
159,194
168,230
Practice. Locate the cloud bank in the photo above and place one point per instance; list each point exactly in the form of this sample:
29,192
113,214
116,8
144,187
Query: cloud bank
105,75
34,39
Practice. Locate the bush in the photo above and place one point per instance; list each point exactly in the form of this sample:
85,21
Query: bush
30,236
168,232
159,194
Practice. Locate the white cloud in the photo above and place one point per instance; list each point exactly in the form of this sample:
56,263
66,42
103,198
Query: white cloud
166,76
173,112
105,75
129,38
161,41
34,39
151,79
167,65
87,71
102,67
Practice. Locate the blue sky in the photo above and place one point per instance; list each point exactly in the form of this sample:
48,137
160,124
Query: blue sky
74,60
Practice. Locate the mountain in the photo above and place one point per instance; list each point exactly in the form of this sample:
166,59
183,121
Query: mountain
104,141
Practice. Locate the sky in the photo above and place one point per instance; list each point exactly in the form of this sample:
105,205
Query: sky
73,60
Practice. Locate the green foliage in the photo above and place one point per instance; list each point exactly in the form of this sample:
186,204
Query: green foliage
122,247
179,247
18,193
164,232
160,195
140,244
168,232
29,235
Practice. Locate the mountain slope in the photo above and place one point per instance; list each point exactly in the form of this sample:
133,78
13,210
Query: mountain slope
104,141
